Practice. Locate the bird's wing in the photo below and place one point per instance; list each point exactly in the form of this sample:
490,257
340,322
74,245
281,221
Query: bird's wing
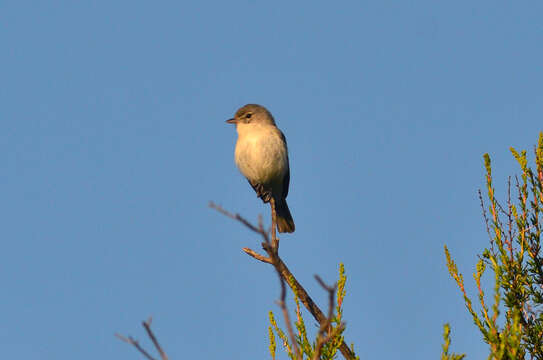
286,179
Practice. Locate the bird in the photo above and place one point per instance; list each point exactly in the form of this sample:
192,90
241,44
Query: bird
261,155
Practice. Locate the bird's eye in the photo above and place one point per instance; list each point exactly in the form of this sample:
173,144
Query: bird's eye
248,116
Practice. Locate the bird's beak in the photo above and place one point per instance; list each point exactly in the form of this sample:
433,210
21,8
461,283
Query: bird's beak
232,121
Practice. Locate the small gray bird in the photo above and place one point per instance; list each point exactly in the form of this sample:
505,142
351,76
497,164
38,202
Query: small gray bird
262,157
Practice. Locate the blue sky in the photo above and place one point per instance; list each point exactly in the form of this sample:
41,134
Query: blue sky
113,141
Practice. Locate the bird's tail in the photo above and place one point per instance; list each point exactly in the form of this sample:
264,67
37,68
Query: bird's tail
285,223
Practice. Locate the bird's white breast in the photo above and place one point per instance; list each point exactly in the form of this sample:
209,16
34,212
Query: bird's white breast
261,153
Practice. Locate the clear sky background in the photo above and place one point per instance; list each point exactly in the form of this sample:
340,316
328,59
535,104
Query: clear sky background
112,142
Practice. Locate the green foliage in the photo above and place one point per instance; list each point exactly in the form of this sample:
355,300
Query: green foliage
515,259
281,335
273,345
330,348
446,342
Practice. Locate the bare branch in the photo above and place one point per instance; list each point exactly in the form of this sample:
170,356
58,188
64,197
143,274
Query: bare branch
285,274
282,304
325,326
275,239
147,326
130,340
259,230
257,255
324,341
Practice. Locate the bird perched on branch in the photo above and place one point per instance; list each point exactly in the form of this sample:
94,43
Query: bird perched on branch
262,157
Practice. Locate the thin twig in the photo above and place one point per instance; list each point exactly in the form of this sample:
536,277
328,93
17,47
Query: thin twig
261,230
130,340
318,349
257,256
147,326
283,305
275,240
325,326
509,239
234,216
485,217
